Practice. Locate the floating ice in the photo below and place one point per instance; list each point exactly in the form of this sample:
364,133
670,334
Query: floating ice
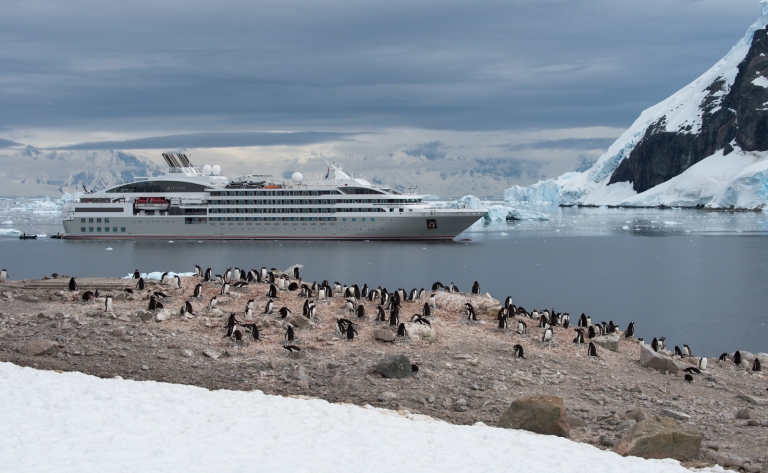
157,275
9,232
8,222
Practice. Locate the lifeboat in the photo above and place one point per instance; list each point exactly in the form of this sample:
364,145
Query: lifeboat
152,203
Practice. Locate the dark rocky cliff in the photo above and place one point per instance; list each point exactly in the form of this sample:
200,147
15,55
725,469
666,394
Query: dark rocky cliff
740,117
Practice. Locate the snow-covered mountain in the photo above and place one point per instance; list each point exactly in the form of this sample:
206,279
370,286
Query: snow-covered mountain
34,172
705,146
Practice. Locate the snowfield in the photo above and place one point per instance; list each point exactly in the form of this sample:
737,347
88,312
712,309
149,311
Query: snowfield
71,422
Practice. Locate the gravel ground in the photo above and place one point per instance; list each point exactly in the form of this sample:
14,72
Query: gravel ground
467,375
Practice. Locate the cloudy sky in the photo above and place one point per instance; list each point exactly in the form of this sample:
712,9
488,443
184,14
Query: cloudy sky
547,83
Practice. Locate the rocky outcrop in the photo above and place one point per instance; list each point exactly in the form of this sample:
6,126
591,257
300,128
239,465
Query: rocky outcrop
39,347
396,366
661,438
735,115
609,342
543,414
657,361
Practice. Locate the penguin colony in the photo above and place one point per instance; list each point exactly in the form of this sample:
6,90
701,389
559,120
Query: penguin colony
388,308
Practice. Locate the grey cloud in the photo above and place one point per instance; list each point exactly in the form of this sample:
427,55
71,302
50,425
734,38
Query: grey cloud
516,168
8,143
568,143
216,140
430,151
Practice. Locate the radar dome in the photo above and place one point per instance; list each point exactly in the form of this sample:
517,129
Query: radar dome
207,169
297,177
216,169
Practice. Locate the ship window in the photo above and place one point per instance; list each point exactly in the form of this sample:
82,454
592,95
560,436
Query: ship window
82,220
344,219
401,210
391,210
98,220
106,229
362,220
98,229
373,220
354,220
114,229
106,220
82,229
122,229
90,220
90,229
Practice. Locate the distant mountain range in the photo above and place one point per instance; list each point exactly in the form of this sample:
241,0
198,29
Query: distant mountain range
705,146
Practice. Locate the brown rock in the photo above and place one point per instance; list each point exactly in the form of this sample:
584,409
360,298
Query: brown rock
651,359
662,438
745,413
39,347
384,335
543,414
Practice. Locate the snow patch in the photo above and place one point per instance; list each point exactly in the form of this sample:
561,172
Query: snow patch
761,82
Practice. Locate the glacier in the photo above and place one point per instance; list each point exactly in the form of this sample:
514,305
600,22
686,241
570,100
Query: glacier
739,182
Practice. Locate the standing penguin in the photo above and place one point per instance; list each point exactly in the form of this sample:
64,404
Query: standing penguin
519,352
630,330
360,311
136,274
212,302
381,316
592,350
3,276
198,291
284,312
579,336
686,350
427,310
547,337
521,327
72,284
351,332
401,330
756,365
737,357
431,302
503,322
108,304
703,363
289,335
272,291
476,288
141,284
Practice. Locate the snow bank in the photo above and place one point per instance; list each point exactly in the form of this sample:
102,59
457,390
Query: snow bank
157,275
71,422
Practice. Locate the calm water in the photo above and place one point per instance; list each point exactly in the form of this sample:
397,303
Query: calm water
695,277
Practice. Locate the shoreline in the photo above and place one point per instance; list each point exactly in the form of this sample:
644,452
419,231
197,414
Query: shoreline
468,374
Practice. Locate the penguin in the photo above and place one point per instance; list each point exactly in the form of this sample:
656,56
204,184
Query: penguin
198,291
427,312
87,296
311,313
160,294
579,336
292,348
394,317
414,293
437,285
284,312
662,344
592,350
177,283
162,278
188,307
471,315
321,294
54,275
360,311
237,335
296,272
591,332
655,345
476,288
141,284
583,321
421,293
547,337
72,284
207,275
3,276
136,274
686,350
756,365
198,271
453,288
381,316
508,302
630,330
248,313
128,290
503,323
737,357
108,304
703,363
518,351
692,370
289,334
689,378
351,332
153,304
212,302
305,308
611,327
417,318
678,352
236,274
431,302
272,291
96,294
225,288
349,305
521,327
254,331
401,330
723,357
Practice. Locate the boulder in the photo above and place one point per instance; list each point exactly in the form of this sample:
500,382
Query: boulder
301,322
745,413
145,315
396,366
651,359
28,298
609,342
384,335
39,347
211,353
662,438
420,332
763,357
162,314
543,414
386,396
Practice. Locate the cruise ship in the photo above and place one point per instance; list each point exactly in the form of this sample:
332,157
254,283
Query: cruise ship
189,202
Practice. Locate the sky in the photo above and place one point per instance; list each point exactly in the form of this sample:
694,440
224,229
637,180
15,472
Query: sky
519,79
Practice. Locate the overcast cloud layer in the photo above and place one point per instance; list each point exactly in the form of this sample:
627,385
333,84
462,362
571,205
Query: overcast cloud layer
289,65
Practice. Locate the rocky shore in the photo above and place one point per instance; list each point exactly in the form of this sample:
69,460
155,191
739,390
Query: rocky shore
467,371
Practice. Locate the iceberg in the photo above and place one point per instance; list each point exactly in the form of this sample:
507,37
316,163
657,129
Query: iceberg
501,213
9,232
156,275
